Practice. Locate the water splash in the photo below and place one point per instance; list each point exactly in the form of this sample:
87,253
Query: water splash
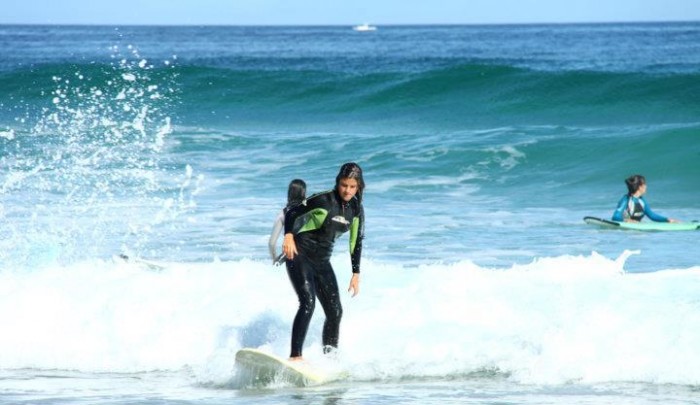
93,163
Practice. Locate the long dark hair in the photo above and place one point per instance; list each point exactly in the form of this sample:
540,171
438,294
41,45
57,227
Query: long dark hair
296,192
634,182
351,170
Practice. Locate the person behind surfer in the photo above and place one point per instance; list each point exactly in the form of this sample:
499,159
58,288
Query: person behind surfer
632,206
296,193
311,229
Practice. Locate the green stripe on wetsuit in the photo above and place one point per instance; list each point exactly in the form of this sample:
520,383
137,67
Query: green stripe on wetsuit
354,233
313,220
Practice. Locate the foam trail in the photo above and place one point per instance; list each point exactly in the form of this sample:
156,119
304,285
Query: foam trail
554,320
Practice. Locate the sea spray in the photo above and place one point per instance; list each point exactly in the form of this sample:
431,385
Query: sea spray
558,319
99,142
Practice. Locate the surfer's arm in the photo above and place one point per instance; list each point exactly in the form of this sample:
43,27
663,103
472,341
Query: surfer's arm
276,231
619,211
289,246
315,201
357,234
654,216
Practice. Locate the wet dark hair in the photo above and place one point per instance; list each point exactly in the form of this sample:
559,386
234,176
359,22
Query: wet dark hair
634,182
296,192
351,171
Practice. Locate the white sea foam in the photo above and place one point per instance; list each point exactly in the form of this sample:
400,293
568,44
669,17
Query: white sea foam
557,319
9,134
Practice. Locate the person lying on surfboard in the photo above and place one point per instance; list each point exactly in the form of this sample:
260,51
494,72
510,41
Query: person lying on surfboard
296,193
632,206
311,229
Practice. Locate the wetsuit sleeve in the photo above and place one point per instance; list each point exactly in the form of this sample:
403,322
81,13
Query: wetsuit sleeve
357,234
652,215
276,230
311,203
621,207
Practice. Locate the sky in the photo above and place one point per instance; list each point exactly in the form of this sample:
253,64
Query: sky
342,12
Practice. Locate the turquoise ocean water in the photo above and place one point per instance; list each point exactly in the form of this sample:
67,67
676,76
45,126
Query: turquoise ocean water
483,148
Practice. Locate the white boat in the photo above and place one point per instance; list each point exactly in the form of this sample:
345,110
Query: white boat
364,27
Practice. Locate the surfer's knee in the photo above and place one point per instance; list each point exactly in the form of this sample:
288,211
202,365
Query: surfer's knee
307,303
335,313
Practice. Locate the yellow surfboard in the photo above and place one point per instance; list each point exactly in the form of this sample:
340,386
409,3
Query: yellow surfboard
266,368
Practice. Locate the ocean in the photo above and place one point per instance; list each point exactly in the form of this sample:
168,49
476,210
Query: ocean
483,147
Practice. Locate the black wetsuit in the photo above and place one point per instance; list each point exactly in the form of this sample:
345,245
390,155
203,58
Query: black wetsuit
316,224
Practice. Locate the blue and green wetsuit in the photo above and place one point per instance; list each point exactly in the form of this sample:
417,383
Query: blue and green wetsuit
635,208
316,223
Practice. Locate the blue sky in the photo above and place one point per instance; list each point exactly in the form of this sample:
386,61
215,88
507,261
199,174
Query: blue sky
344,12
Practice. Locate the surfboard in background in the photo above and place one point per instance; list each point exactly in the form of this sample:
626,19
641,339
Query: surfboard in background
643,226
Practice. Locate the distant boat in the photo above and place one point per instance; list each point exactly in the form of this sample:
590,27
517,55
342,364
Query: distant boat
364,27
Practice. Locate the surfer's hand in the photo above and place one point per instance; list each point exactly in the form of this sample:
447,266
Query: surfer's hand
673,220
289,247
354,284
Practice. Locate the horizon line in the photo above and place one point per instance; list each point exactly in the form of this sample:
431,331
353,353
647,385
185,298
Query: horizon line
78,24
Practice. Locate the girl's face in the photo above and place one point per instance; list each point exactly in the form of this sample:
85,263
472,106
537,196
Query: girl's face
347,188
641,190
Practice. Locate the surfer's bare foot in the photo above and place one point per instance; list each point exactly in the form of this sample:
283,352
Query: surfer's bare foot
298,358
